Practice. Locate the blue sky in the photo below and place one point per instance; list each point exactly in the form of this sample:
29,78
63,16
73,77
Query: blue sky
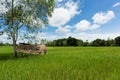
83,19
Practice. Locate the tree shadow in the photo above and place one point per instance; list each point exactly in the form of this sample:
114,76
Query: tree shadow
10,56
5,56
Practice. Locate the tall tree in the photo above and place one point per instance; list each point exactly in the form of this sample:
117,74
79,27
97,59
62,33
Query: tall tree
98,42
72,41
109,42
117,41
30,14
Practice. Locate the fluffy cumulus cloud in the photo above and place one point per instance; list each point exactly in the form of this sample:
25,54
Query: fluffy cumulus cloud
72,7
60,17
64,13
98,19
68,9
63,30
82,25
103,17
116,4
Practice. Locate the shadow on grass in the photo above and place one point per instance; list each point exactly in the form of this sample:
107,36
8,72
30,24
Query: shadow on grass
5,56
10,56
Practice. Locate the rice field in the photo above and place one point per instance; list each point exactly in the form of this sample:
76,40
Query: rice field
62,63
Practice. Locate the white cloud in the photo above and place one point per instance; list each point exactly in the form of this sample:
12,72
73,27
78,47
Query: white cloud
68,26
94,26
64,14
63,30
91,37
82,25
103,17
72,8
59,17
116,4
98,19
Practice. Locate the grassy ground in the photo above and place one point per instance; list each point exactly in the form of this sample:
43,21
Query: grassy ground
63,63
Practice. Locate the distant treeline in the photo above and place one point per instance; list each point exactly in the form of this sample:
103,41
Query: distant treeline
70,41
5,44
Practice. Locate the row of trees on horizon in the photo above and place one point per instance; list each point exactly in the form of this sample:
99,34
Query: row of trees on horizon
70,41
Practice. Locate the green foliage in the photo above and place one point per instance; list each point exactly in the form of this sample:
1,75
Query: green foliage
117,41
66,42
72,42
77,42
98,42
31,14
63,63
1,44
86,43
110,42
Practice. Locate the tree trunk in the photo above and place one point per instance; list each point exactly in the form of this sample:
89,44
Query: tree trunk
14,32
14,46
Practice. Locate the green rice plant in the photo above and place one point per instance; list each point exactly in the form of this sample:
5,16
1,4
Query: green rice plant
62,63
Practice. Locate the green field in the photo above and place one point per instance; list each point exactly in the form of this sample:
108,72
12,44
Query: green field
62,63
